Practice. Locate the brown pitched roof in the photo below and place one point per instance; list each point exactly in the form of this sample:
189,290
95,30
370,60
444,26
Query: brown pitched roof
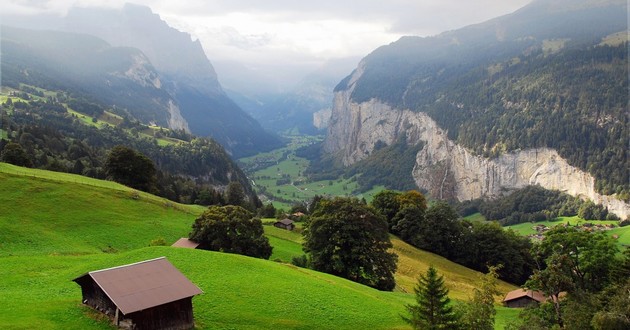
143,285
286,221
185,243
519,293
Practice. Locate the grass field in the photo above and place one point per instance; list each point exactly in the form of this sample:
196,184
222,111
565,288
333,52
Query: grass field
622,233
280,172
55,227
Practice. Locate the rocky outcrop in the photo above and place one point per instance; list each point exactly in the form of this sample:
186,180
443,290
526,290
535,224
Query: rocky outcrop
321,118
444,168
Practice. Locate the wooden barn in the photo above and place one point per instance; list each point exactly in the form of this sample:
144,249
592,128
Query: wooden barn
287,224
186,243
522,298
151,294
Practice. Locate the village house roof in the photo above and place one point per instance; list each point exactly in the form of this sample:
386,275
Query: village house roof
286,222
520,293
185,243
143,285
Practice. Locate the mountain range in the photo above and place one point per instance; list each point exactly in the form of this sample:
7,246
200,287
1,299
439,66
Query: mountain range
539,96
178,84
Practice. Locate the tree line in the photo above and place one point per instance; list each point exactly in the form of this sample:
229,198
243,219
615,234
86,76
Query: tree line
196,170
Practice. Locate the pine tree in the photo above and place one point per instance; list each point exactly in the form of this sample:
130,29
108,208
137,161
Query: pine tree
433,310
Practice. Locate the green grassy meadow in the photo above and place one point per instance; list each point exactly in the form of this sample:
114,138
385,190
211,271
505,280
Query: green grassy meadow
55,227
622,233
266,169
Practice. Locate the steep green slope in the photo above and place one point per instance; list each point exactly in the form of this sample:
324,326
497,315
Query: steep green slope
55,226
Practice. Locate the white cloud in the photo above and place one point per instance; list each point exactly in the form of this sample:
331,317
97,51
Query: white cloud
287,31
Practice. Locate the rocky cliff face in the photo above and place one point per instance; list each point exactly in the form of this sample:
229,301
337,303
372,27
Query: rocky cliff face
444,168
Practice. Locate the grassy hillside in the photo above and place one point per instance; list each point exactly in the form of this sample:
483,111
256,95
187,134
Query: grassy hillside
411,263
55,227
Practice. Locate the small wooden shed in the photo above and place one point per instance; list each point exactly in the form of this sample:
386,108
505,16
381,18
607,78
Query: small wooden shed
287,224
186,243
151,294
522,298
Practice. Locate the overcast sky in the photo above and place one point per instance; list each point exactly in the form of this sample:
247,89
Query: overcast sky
294,32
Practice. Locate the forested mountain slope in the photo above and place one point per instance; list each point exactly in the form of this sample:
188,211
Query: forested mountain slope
68,99
190,98
549,80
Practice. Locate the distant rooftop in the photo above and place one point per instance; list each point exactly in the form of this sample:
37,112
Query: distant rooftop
185,243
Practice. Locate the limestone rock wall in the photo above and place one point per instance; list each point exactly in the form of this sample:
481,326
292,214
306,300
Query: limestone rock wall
444,168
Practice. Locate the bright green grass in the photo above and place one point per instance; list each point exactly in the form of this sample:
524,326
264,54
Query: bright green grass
505,316
476,217
41,216
623,233
526,228
55,226
239,293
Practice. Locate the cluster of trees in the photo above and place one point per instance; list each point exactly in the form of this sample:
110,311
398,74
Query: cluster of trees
53,139
433,308
231,229
586,279
438,229
347,238
532,204
389,166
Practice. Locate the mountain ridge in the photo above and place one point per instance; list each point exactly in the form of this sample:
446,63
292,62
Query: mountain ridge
493,93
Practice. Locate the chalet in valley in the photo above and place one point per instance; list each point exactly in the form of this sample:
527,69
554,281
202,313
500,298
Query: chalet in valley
150,294
287,224
522,298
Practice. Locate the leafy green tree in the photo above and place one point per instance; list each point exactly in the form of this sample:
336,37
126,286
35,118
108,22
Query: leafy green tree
231,229
235,194
441,231
13,153
573,261
349,239
386,203
616,314
409,222
479,312
131,168
432,309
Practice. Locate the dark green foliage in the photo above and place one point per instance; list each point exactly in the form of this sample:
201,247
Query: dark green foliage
534,203
576,262
479,312
390,166
131,168
346,238
441,231
234,194
267,211
432,310
615,314
231,229
13,153
386,203
490,244
390,203
572,260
